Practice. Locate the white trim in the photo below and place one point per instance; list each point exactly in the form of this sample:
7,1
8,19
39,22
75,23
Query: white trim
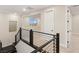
75,33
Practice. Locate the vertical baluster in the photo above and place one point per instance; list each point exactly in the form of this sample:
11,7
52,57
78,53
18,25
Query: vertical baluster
20,33
31,37
57,43
54,48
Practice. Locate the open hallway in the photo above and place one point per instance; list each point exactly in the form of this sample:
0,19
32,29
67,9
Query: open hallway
39,28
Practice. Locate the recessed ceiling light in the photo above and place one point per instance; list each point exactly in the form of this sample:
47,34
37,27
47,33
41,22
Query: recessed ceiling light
24,9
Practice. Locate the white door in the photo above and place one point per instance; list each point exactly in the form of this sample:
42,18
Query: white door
49,21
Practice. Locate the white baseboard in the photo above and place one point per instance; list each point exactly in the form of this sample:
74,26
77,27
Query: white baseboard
75,33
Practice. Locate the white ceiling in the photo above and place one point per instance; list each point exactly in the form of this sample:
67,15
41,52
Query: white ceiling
19,8
74,9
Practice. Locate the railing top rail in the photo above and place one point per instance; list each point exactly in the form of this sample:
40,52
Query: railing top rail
17,32
25,29
56,37
43,33
39,32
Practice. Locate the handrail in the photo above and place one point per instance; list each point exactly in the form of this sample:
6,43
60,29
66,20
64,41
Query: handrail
40,49
43,33
46,43
25,29
17,32
35,51
33,46
16,37
39,32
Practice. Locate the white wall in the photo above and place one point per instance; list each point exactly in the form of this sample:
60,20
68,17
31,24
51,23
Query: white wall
60,23
4,29
75,24
6,37
14,17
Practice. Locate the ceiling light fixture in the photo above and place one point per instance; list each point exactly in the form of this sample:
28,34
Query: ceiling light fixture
24,9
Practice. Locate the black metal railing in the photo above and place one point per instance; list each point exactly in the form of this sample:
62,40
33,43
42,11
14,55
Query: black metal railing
55,39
